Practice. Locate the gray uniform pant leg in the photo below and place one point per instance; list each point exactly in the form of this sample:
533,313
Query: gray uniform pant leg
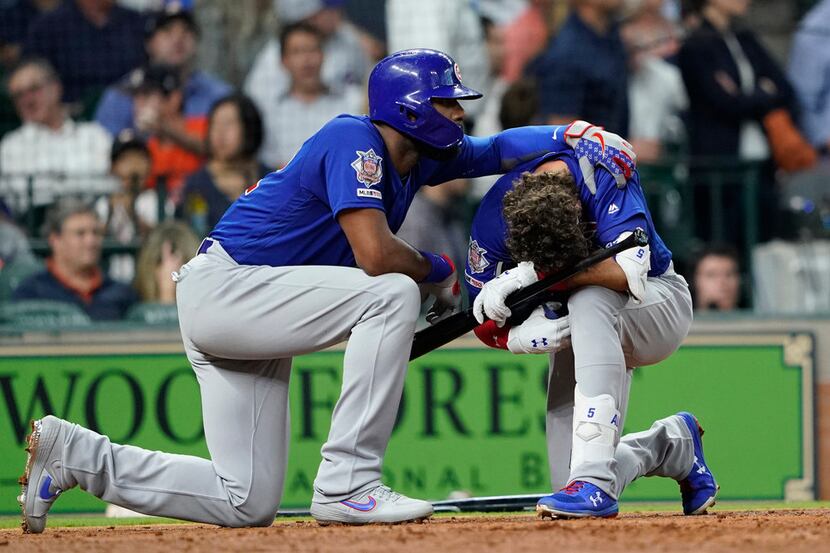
666,449
241,325
560,414
609,335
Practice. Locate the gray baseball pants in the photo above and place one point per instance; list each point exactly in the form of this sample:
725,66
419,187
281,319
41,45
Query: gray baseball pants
610,335
241,325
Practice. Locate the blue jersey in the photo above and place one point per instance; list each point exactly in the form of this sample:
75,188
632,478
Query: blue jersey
290,216
614,210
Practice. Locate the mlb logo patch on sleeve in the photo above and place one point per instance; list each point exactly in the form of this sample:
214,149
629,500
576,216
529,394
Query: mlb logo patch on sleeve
369,167
476,259
369,193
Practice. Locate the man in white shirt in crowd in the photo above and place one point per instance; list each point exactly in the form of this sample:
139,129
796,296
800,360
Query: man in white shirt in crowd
49,151
345,62
308,103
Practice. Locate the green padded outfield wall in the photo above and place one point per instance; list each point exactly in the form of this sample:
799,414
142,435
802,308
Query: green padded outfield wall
471,419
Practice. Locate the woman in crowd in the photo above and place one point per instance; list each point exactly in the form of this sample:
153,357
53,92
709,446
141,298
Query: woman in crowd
233,140
169,246
736,92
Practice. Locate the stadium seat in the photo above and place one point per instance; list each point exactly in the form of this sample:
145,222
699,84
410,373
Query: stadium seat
153,314
12,275
43,313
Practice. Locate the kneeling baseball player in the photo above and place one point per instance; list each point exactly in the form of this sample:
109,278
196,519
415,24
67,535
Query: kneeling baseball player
304,259
625,312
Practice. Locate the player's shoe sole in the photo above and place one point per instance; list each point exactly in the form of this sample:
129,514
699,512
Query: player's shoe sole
543,511
36,501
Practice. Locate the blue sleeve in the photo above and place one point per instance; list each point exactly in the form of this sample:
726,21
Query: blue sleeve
487,251
497,154
615,210
115,111
353,176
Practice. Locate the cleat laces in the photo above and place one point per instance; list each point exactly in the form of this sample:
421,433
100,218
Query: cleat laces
573,488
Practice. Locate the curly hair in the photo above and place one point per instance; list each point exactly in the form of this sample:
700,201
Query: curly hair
543,216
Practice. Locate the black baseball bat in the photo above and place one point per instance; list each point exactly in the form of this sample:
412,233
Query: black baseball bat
455,326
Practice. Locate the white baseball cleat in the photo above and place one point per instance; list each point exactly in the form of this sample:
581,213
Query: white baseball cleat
379,505
39,488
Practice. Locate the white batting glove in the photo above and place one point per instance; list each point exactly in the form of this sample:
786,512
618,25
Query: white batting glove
447,295
594,146
490,301
542,332
635,263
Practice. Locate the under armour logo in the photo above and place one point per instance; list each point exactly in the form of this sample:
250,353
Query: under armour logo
596,499
542,341
701,469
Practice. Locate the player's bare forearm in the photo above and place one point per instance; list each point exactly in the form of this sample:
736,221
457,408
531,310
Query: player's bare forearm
606,274
376,250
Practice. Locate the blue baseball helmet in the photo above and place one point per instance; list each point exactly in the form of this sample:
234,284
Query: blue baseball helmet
401,87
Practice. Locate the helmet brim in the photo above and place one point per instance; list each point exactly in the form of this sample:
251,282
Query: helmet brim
457,91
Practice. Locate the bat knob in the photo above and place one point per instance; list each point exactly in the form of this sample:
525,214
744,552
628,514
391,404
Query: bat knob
641,237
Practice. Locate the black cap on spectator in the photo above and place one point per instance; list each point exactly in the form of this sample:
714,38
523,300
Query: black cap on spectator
127,141
173,12
161,78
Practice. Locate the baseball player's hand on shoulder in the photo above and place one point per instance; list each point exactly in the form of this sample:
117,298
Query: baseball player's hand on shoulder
594,146
544,331
490,302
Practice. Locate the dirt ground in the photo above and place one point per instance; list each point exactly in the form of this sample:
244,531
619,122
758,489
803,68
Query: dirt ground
792,531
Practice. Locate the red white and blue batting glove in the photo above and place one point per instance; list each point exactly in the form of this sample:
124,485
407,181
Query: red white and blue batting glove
594,146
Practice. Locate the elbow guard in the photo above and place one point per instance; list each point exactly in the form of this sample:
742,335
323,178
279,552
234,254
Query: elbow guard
635,263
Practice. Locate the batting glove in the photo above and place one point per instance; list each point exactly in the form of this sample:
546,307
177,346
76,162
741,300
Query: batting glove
490,302
543,332
594,146
447,294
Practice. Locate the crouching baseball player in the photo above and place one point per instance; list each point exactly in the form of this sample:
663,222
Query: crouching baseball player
630,311
305,259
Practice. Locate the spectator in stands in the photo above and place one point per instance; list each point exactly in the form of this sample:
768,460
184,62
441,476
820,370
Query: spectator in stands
91,43
525,36
73,274
308,103
487,123
520,104
716,281
656,94
15,19
345,63
172,40
734,86
14,246
732,83
582,74
57,155
810,74
169,246
132,210
176,141
234,138
451,27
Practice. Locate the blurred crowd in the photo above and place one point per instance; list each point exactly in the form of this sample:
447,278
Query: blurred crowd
129,127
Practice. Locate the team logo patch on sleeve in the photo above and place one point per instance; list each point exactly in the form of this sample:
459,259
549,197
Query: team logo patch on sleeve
476,259
369,167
